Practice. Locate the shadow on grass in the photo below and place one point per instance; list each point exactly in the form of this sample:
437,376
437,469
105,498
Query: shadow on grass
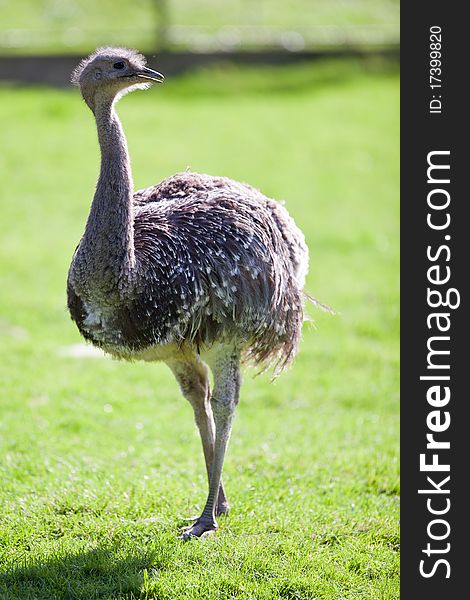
101,573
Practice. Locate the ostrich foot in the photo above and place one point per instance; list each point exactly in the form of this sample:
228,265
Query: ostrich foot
201,528
223,508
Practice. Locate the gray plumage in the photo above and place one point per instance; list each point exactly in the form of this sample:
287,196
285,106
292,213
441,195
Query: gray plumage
196,270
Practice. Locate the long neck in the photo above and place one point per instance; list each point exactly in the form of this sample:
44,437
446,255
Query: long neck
109,235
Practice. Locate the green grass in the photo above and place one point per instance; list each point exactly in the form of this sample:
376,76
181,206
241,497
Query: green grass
100,459
80,25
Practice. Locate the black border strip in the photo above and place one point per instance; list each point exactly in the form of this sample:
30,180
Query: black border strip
424,411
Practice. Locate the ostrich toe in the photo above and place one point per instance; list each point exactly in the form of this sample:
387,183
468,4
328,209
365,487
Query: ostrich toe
201,528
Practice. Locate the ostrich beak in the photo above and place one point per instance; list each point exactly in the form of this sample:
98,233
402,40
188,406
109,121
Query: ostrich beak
146,73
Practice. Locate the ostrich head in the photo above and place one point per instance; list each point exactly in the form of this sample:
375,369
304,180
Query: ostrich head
109,73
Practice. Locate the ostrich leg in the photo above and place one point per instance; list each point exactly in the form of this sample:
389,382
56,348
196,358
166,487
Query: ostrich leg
226,370
192,377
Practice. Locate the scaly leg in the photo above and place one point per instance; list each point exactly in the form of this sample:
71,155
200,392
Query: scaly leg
226,369
192,377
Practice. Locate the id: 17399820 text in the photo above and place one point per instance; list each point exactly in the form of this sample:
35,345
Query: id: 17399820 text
435,69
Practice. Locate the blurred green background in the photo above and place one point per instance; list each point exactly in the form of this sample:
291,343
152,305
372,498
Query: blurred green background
58,26
101,461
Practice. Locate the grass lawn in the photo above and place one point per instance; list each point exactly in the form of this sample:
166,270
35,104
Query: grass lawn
101,460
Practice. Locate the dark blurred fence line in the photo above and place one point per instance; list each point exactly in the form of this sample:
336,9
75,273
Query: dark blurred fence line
55,70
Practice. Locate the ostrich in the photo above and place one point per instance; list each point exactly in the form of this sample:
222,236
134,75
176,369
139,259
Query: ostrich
200,272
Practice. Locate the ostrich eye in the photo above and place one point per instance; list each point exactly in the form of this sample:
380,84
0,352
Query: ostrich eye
119,65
